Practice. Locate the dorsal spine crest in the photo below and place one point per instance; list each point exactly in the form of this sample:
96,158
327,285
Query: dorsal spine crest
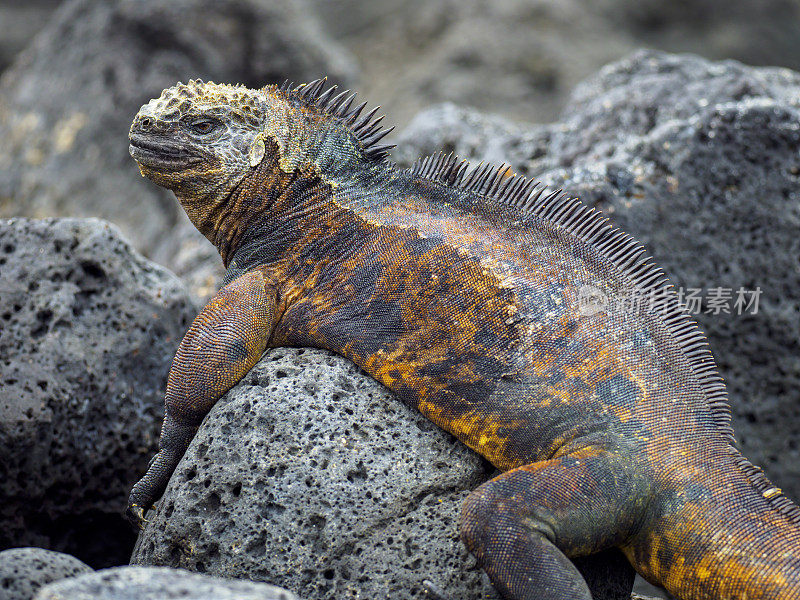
523,199
366,129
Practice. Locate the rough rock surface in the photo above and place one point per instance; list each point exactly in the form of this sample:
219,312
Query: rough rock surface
700,161
24,570
67,103
469,133
312,476
158,583
87,332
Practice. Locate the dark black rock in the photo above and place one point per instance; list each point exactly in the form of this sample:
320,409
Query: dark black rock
701,162
608,574
24,570
87,332
158,583
67,103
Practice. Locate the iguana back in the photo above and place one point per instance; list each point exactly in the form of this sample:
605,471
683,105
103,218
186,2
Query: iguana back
523,323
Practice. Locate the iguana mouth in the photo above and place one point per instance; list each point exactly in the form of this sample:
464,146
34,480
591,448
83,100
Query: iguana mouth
161,155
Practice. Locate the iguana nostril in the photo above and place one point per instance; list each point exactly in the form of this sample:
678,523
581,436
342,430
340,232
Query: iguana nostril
145,122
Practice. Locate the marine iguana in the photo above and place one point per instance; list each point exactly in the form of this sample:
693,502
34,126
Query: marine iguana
495,309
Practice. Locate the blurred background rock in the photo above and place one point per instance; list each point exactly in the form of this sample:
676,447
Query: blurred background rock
515,57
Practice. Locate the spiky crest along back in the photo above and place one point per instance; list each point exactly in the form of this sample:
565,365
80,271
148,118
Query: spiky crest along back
524,200
366,128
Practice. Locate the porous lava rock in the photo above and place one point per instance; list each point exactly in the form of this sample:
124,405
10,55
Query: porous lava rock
88,328
312,476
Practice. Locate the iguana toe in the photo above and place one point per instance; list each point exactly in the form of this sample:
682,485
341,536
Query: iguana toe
135,515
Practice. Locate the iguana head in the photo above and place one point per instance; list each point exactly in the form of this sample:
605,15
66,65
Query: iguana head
202,140
196,138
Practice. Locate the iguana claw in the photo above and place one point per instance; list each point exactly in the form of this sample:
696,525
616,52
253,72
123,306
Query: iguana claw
135,514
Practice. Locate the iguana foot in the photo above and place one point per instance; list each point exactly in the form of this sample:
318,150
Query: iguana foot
135,514
433,591
151,486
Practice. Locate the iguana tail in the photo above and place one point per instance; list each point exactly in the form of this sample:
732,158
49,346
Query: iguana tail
725,533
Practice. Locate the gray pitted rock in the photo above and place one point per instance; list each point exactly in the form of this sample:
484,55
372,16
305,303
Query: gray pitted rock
24,570
66,103
88,328
158,583
310,475
628,102
701,162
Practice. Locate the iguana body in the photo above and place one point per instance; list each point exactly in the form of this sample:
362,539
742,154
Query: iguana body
465,294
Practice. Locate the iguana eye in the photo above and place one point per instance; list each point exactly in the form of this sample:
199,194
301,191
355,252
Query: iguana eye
203,126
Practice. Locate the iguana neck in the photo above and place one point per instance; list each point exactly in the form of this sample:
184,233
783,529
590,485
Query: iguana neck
274,215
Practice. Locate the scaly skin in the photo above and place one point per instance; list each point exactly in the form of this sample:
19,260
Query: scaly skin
466,298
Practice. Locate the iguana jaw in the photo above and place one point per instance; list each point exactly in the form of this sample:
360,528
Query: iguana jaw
159,155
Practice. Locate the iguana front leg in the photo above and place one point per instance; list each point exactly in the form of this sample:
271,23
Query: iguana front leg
224,342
